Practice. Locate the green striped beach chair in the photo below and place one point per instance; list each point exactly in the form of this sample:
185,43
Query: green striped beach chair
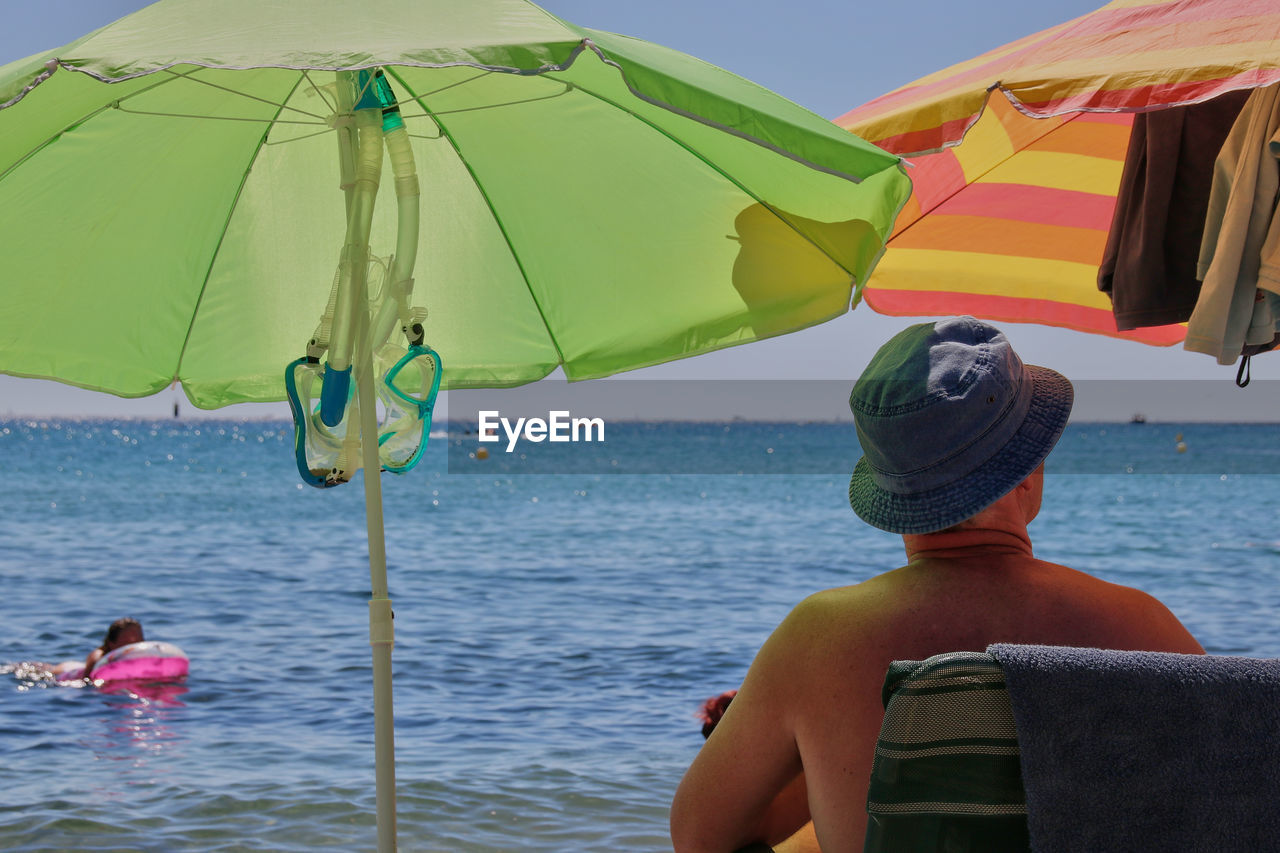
946,774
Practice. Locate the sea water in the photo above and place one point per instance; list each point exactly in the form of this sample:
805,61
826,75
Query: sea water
555,633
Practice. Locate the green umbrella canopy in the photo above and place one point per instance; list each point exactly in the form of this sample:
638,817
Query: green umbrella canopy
169,201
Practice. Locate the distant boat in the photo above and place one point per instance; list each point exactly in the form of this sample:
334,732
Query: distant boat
1138,418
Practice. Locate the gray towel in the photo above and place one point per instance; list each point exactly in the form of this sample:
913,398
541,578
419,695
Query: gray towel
1146,751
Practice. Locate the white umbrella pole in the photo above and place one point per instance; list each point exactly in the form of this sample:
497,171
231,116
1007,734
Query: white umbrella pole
381,631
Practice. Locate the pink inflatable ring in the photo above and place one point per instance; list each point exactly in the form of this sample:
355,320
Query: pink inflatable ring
146,661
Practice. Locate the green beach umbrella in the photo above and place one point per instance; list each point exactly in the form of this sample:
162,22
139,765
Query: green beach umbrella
168,188
180,189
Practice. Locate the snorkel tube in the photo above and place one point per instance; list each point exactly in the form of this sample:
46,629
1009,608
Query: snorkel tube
353,264
408,194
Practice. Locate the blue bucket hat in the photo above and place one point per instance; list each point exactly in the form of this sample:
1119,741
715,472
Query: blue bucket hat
950,420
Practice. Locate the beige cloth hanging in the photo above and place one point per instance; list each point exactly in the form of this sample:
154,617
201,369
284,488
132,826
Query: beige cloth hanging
1240,251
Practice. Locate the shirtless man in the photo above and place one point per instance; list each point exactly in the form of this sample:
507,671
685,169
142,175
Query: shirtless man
955,429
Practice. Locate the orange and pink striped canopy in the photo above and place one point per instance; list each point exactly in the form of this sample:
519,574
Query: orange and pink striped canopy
1013,195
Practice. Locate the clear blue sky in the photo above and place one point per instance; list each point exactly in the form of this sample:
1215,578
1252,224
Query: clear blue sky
827,56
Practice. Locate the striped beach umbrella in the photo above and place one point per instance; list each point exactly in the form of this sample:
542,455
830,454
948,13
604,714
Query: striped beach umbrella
1017,156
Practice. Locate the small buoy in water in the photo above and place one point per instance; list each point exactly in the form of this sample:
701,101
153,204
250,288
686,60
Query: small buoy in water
482,453
1182,447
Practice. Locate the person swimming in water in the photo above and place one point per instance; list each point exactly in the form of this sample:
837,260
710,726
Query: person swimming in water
122,632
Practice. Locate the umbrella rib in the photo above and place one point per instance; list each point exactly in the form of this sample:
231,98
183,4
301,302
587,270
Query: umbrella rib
420,98
448,137
271,121
190,75
231,209
484,72
320,92
721,172
298,138
568,87
79,121
118,105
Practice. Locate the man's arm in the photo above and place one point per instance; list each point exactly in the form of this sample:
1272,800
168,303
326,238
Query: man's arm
746,785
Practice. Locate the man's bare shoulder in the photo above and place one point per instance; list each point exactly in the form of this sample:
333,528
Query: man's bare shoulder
914,608
1053,604
845,607
1138,619
833,623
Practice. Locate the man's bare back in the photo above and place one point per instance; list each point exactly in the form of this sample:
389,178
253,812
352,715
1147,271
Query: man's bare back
811,698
